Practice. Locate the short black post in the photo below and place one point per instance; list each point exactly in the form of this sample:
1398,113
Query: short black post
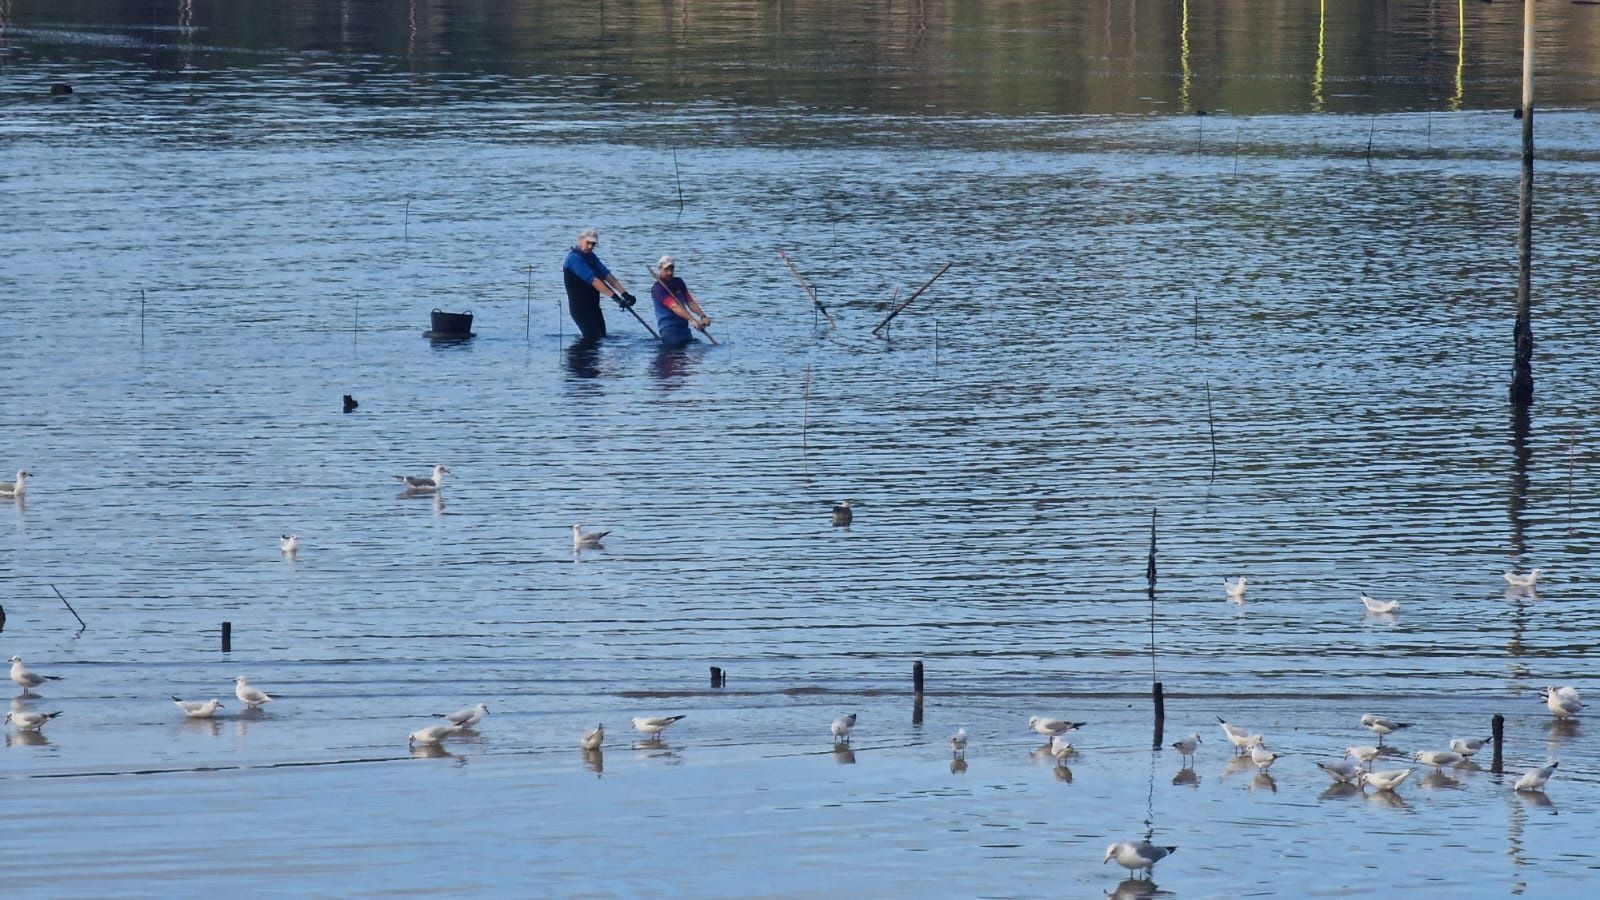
2,618
1498,726
1161,715
916,678
716,677
227,637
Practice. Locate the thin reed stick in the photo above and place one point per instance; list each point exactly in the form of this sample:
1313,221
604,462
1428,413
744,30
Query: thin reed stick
81,625
805,412
1213,424
678,179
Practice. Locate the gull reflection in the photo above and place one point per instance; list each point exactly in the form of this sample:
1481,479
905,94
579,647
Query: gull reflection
656,748
595,761
1538,799
1439,781
843,755
213,726
1263,782
1339,790
1388,799
958,765
1187,776
1136,889
1062,773
27,739
1387,618
1237,764
432,751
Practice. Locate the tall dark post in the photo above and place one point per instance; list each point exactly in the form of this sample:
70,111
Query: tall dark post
1155,686
227,637
1522,365
916,687
1498,726
716,677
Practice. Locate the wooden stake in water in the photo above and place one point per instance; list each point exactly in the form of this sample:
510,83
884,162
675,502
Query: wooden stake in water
405,234
141,318
227,637
1370,130
716,677
1572,454
805,412
916,696
677,178
1212,423
1497,727
81,625
1156,692
1522,364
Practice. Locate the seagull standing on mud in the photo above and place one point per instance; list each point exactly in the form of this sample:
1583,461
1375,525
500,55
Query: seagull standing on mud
194,709
26,679
653,725
1381,726
841,728
1563,701
29,721
466,718
251,697
1135,856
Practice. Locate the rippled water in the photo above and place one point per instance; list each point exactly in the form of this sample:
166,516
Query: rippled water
1348,313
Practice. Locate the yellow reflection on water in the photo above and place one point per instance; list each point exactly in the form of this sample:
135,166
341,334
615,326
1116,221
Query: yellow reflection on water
1316,78
1183,59
1461,53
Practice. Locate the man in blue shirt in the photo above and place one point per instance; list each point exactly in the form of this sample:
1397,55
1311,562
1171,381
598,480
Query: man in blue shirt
586,279
676,308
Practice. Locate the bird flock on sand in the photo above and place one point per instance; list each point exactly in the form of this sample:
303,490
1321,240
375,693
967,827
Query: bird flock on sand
1354,769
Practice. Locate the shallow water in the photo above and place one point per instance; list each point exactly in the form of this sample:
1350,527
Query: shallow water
1008,443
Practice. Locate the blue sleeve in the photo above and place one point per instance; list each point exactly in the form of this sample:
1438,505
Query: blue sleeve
579,266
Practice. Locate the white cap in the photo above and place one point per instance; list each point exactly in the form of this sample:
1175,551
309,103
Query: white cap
665,261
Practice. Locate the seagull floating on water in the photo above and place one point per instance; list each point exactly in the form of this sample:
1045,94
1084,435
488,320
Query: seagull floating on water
1234,589
841,728
11,490
1381,726
433,734
29,721
289,544
1187,745
28,680
422,484
1534,779
251,697
1563,701
1386,781
1530,580
194,709
466,718
653,724
1134,856
1468,747
1053,727
593,739
1374,605
1438,758
586,540
842,514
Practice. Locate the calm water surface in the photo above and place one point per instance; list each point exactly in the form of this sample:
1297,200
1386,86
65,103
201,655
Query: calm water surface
237,218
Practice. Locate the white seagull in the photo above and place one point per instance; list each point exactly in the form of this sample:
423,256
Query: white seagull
1240,738
289,544
1363,754
1381,726
585,540
958,741
1469,747
251,697
1374,605
653,724
1135,856
1187,745
10,490
1530,580
28,680
1061,748
1438,758
1343,771
841,728
1386,781
1053,727
593,739
1262,757
466,718
194,709
1534,779
29,721
1563,701
423,483
433,734
1234,589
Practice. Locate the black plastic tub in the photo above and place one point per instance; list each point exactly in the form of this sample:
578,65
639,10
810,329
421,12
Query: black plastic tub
450,326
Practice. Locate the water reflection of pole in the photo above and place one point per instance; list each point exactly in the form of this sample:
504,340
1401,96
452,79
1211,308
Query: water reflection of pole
1461,54
1522,366
1183,59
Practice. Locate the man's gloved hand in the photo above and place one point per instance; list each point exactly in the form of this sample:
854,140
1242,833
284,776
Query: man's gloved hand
626,300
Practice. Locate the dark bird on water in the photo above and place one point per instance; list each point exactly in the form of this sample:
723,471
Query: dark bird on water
350,403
